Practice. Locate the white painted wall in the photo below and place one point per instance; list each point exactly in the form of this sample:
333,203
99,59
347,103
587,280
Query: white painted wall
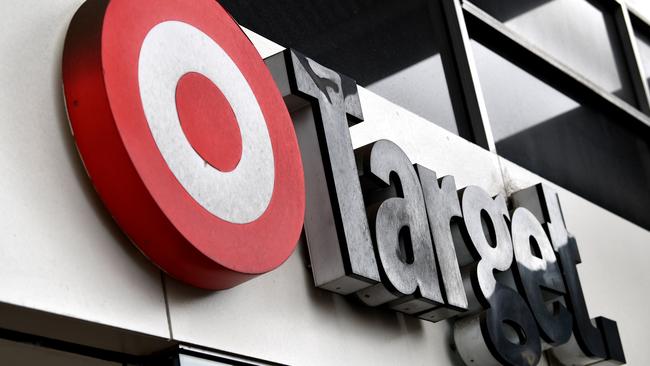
61,253
60,250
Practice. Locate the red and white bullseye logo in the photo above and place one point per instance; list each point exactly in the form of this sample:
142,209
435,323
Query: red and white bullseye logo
185,136
180,68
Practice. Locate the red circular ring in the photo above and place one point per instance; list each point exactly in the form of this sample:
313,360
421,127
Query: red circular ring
100,73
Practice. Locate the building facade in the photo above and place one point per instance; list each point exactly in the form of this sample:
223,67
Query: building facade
498,94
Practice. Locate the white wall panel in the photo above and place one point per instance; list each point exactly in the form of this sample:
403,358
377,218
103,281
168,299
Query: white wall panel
282,317
60,251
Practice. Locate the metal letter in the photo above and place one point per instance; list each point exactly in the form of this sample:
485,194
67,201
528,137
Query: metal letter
504,334
487,236
399,226
508,332
443,206
537,270
336,227
590,343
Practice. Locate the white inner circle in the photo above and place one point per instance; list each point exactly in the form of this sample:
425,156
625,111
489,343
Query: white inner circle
170,50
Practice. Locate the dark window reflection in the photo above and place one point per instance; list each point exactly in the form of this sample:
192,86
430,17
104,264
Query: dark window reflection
643,42
580,33
391,47
577,146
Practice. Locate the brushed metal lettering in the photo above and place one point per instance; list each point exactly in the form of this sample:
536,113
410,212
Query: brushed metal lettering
443,206
536,272
347,263
593,340
400,231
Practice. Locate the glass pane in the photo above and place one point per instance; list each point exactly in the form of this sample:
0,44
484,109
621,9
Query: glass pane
578,146
643,42
578,33
390,47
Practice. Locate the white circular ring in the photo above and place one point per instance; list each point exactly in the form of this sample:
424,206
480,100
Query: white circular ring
170,50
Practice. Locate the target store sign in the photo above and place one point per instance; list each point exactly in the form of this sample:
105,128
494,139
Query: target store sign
185,137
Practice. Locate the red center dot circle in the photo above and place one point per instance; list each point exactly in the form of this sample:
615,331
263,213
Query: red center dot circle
208,121
119,148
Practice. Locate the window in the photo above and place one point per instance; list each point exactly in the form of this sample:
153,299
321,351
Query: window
576,144
397,49
642,34
578,33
